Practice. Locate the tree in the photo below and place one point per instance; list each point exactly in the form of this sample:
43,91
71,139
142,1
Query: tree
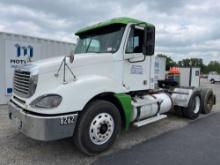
184,63
188,62
213,66
193,62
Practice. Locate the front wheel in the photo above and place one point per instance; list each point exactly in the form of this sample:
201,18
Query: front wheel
98,127
212,81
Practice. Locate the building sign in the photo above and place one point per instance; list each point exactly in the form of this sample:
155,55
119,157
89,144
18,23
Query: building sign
17,53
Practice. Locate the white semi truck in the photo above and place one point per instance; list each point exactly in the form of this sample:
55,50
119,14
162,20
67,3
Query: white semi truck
106,85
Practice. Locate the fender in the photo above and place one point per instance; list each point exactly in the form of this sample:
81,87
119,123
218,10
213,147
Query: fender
77,94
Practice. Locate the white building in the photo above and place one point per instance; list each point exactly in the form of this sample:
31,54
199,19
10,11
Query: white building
15,50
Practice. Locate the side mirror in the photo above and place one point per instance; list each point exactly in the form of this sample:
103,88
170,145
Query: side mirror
149,41
71,57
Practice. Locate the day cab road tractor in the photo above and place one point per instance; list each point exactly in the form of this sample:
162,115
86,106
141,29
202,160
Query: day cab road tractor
105,86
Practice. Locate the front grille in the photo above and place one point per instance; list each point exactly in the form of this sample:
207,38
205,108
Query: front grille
22,83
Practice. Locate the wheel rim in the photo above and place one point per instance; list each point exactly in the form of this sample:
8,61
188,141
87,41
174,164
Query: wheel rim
210,102
196,104
101,128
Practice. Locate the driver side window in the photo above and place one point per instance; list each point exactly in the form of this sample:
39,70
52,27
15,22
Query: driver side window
135,41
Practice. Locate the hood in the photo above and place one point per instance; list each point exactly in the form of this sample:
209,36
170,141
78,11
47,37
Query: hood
80,60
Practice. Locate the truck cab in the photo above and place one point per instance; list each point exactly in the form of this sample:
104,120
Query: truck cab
106,85
122,43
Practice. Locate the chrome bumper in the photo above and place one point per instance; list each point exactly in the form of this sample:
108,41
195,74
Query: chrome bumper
43,128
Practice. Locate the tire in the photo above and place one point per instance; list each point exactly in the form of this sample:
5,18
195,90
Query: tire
212,81
97,127
207,100
194,106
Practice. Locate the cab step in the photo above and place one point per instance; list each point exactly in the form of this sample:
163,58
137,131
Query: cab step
149,120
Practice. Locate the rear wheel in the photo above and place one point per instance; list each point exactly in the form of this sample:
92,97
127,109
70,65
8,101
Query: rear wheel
98,127
194,106
207,100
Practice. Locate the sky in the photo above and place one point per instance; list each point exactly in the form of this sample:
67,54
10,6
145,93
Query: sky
184,28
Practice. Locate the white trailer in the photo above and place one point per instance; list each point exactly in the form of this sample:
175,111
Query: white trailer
189,77
159,69
214,77
107,85
16,50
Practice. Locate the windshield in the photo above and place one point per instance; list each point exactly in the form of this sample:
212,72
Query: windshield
104,40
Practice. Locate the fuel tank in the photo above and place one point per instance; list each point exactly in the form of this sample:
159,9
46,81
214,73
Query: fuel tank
150,105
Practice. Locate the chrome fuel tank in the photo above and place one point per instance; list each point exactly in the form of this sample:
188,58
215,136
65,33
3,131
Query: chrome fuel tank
150,105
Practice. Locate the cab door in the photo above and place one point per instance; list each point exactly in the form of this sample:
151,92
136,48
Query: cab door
137,66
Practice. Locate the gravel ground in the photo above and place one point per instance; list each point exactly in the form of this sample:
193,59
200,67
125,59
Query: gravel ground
15,148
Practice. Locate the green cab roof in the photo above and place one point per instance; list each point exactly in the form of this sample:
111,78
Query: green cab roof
121,20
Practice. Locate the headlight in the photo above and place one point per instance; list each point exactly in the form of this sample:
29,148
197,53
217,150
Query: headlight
47,101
